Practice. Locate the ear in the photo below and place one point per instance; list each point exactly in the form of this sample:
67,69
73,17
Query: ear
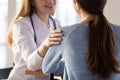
77,7
76,4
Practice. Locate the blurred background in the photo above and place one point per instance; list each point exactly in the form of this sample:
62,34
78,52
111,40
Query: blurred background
64,12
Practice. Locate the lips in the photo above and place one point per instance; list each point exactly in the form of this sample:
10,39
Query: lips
49,6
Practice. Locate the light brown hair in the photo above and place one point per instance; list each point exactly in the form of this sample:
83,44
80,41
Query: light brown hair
25,9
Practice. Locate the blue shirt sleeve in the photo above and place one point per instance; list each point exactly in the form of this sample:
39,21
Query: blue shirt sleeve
52,61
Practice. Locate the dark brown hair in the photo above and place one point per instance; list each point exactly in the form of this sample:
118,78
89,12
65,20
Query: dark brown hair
101,50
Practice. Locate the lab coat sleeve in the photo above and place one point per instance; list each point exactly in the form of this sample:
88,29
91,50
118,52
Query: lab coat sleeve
24,45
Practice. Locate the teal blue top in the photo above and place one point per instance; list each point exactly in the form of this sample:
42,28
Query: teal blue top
74,51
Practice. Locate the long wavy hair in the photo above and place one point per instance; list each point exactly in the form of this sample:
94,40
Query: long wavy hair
101,57
25,9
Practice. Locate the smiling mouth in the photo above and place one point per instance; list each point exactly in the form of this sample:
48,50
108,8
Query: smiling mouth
49,6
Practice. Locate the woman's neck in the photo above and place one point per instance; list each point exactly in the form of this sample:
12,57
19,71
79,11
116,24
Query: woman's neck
44,18
86,17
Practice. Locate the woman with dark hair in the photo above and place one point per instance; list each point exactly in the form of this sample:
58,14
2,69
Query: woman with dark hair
91,48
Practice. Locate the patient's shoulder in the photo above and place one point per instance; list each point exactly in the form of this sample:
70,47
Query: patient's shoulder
72,28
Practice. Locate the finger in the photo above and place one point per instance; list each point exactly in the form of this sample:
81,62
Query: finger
56,35
54,43
55,39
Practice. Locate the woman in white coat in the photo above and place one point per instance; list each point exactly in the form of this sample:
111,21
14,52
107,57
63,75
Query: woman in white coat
30,35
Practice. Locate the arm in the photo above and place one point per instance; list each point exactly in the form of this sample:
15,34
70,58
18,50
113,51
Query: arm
24,45
23,42
54,38
52,61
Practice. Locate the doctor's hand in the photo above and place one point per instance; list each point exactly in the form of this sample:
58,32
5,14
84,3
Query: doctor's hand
54,38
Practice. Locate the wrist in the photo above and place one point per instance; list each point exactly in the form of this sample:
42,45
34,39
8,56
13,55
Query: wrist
44,45
39,53
42,50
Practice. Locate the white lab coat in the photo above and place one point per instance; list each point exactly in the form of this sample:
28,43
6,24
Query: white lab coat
25,49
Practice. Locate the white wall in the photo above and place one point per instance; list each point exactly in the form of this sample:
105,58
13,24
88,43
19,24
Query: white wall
67,15
65,12
112,11
7,9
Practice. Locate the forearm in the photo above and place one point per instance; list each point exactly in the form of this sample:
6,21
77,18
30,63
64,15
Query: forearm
42,50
